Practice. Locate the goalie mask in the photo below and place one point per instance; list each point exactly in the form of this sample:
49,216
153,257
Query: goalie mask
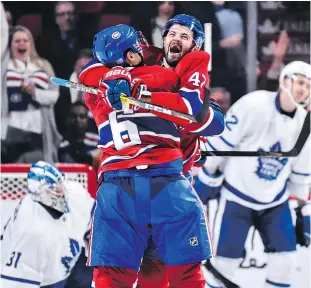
295,80
46,185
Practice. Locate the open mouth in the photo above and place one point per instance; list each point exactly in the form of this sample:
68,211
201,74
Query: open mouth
21,50
175,49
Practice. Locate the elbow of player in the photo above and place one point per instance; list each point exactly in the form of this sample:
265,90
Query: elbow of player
218,123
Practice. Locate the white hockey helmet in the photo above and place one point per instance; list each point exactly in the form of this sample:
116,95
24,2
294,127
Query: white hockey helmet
290,71
46,185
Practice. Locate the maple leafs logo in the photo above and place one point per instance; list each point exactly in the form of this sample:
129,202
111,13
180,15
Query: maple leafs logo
270,168
74,250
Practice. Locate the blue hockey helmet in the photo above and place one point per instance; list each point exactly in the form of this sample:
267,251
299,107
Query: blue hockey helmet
46,185
110,44
189,21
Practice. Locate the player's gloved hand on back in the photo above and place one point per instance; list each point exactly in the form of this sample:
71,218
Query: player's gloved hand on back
208,185
116,82
137,87
203,148
302,229
215,105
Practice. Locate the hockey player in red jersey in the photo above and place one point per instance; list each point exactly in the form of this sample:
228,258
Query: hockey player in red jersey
182,274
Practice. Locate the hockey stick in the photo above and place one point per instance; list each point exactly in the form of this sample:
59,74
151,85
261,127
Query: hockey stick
219,276
302,138
124,99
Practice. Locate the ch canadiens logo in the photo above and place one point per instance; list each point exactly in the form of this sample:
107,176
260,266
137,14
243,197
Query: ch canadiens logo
116,35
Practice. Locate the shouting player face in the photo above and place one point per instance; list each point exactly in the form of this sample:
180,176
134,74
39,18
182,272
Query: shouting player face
177,43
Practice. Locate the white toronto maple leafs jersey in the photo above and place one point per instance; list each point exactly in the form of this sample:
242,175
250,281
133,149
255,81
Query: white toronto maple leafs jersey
39,249
255,122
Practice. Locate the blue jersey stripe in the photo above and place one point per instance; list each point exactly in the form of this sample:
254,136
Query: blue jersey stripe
250,199
216,127
210,144
301,174
144,124
277,284
227,142
21,280
193,97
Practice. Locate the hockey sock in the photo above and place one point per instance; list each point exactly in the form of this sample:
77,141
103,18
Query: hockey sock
114,277
185,276
152,274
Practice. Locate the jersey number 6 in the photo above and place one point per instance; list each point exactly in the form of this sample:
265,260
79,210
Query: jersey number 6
124,133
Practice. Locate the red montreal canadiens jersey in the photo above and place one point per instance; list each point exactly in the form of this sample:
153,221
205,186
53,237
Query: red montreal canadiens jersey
129,139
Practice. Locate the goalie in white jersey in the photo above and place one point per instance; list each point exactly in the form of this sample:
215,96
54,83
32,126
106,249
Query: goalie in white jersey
255,190
43,239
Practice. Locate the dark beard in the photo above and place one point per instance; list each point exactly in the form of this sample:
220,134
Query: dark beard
172,63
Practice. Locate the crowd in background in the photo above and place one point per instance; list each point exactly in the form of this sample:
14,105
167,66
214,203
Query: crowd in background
41,121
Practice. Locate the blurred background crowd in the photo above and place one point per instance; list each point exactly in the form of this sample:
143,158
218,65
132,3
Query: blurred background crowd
251,42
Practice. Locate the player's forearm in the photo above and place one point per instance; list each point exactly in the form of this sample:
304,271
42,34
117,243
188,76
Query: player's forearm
171,101
213,124
183,102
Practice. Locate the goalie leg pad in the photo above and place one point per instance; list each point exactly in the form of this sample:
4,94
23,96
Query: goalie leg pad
280,269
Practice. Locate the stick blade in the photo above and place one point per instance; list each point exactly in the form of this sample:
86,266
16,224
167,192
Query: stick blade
59,81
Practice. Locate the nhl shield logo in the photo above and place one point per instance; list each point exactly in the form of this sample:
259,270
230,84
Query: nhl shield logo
116,35
194,241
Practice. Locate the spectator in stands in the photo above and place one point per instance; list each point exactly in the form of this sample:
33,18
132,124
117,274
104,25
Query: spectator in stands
78,145
231,41
270,80
227,50
222,97
31,133
69,96
9,19
166,10
61,45
5,57
154,16
84,57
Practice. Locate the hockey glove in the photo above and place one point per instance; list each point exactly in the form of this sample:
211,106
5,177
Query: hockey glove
115,83
215,105
137,87
208,185
203,147
303,225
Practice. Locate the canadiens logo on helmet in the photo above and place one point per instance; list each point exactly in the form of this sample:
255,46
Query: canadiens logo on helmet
116,35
